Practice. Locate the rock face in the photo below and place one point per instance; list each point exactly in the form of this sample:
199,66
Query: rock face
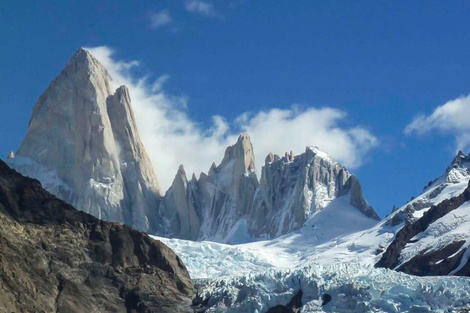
447,259
294,188
229,204
54,258
183,206
85,132
433,235
227,191
213,206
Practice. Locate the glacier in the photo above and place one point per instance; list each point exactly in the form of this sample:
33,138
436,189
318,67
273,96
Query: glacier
352,288
258,276
238,278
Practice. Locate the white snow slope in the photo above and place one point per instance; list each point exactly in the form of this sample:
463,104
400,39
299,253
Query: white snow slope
48,178
209,259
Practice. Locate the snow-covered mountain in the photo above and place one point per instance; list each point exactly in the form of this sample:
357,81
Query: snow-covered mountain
83,145
427,236
357,272
435,238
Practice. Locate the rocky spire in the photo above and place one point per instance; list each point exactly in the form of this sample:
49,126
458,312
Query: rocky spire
269,158
459,168
241,153
136,169
459,159
85,131
182,207
227,192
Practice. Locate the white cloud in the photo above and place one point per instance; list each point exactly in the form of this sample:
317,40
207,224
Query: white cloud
158,83
200,7
172,138
160,19
451,118
279,130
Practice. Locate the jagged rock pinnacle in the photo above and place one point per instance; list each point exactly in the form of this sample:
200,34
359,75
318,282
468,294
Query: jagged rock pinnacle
269,158
459,158
182,206
213,169
86,131
242,154
181,169
84,60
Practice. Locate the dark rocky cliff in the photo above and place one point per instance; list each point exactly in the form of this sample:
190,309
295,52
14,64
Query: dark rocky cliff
438,262
54,258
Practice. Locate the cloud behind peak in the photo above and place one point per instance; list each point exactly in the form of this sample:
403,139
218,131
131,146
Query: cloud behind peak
450,118
172,138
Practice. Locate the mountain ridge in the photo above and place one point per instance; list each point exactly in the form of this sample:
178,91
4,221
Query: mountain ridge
83,144
291,190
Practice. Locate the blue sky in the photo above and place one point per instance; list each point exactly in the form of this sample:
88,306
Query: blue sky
380,63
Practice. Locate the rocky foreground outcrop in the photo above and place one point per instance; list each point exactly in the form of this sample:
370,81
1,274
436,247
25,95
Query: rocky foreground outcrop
54,258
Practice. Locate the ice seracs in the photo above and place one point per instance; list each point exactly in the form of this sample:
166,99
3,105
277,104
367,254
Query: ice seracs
351,288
